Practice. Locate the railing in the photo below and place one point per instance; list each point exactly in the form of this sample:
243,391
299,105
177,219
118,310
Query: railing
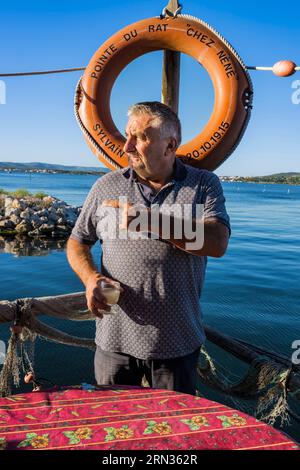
24,312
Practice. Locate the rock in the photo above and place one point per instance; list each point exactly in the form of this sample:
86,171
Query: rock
63,228
60,211
11,211
18,204
58,234
58,204
13,206
71,223
30,203
15,219
49,200
37,221
34,233
70,220
42,213
30,216
71,217
26,214
23,227
8,201
53,217
46,228
6,224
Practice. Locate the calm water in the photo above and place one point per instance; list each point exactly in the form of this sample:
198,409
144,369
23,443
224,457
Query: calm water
252,293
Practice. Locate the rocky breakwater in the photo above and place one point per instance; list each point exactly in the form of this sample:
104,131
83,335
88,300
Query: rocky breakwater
37,217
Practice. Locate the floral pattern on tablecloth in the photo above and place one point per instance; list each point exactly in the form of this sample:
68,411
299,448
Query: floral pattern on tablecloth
123,417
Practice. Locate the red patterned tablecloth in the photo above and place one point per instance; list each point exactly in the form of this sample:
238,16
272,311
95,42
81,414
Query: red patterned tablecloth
117,417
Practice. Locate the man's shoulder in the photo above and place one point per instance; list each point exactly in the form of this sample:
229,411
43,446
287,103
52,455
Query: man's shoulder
113,177
202,176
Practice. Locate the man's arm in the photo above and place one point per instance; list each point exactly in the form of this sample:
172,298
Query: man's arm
215,236
211,234
82,263
81,260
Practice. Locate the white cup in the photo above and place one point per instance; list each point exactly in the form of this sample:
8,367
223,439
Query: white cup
110,291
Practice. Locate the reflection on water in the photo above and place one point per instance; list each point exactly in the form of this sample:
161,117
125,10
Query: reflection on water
25,246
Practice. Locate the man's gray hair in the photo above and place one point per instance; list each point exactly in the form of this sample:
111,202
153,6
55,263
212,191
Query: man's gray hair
168,120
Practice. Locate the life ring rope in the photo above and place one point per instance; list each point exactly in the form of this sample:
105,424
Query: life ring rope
207,25
85,131
233,51
243,65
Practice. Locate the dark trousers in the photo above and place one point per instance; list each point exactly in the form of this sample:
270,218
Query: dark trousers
179,374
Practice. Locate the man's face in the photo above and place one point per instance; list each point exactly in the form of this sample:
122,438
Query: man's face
147,149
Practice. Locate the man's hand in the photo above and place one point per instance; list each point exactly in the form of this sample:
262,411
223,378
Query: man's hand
81,261
96,301
127,211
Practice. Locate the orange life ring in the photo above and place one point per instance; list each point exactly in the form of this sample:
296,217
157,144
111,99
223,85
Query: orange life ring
232,86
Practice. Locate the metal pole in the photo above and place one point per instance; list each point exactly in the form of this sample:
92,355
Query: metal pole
171,66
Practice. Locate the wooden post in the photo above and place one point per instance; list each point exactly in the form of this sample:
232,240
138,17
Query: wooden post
171,69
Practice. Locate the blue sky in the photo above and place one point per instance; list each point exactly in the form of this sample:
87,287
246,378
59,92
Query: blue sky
37,122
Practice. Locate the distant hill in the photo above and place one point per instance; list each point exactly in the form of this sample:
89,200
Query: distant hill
287,178
51,167
280,175
277,178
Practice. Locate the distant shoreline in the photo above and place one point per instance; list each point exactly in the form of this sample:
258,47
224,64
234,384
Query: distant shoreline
292,179
261,182
53,172
50,168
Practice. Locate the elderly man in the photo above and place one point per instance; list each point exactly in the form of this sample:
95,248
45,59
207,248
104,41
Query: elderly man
156,328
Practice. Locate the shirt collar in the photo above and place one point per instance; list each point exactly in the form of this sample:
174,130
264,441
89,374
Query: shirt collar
179,171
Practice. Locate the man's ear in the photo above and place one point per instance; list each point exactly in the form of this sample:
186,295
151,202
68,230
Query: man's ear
172,145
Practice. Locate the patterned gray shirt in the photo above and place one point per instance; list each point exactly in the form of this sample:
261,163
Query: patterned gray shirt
158,315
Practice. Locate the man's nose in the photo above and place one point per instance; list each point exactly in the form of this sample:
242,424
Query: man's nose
129,145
